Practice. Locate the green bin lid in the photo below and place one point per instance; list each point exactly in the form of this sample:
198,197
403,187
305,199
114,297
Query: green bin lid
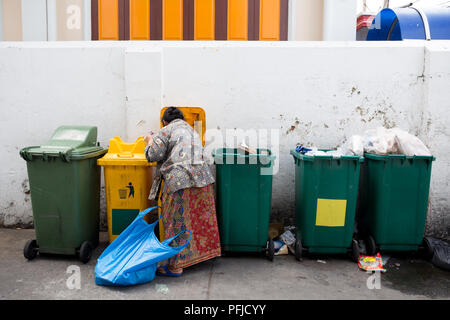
68,143
262,156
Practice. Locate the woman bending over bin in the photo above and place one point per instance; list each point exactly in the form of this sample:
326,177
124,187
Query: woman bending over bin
188,193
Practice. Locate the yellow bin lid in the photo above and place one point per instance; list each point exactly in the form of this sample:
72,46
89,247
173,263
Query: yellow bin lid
122,153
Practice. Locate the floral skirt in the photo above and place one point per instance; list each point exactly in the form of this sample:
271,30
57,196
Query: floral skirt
195,210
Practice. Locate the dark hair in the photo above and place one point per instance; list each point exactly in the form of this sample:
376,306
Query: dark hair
171,114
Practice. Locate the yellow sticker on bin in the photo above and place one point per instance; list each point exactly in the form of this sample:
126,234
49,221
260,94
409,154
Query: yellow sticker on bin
330,212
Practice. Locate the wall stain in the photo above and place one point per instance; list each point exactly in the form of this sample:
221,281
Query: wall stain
25,187
355,89
383,112
297,124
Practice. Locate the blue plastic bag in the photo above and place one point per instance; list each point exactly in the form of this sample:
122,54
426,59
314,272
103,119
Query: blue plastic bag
133,257
301,149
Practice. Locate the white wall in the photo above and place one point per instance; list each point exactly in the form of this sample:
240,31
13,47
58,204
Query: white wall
435,129
312,92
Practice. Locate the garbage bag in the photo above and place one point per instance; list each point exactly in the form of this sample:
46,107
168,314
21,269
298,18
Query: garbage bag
409,144
355,145
393,141
133,257
380,141
441,253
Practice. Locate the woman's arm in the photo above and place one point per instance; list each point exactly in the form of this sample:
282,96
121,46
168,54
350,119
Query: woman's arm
156,147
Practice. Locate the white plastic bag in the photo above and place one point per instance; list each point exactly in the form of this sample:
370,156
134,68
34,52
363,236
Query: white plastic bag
380,141
355,145
409,144
393,141
315,152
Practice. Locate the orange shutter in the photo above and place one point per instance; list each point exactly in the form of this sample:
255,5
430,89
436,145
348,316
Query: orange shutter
173,20
204,20
269,26
237,19
139,19
108,19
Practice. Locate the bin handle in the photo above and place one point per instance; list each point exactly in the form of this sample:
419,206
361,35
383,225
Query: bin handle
25,154
397,156
65,155
125,155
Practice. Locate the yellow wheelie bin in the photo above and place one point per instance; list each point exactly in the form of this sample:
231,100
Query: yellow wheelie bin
128,179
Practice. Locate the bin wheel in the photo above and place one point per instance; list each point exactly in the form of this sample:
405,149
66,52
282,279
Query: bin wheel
298,250
270,249
356,250
428,249
31,249
85,253
371,246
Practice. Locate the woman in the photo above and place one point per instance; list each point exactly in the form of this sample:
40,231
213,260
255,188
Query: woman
188,193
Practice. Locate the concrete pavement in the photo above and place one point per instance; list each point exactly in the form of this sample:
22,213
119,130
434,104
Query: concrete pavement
229,277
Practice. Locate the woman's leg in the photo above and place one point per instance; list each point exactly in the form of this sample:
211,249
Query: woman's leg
169,270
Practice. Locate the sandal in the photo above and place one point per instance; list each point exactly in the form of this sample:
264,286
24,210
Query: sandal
167,272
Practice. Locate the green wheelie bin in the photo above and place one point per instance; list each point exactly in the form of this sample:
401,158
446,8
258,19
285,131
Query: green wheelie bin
393,204
65,192
326,191
244,198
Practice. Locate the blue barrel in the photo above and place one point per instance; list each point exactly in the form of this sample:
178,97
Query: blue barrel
410,23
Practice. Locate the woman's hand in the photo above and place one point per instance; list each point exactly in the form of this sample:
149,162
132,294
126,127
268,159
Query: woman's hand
148,139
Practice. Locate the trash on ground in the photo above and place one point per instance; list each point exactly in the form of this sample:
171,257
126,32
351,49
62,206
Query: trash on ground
288,238
441,253
289,228
285,239
321,261
280,247
275,229
277,244
162,288
371,263
385,259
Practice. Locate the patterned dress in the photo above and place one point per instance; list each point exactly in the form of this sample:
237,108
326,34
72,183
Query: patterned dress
188,193
193,209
